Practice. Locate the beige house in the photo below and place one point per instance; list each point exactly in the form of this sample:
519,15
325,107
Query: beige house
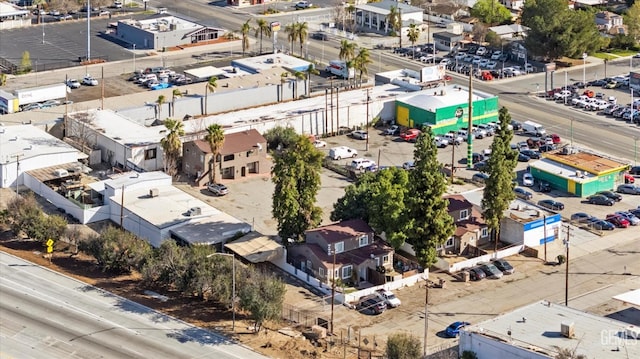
347,250
610,23
471,230
242,154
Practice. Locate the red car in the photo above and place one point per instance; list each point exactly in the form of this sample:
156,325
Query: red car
555,138
629,178
410,135
617,220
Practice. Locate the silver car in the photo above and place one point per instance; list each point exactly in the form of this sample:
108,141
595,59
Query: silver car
628,189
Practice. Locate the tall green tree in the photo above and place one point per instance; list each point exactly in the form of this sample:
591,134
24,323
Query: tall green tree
413,34
378,199
429,224
215,139
582,34
262,28
290,30
498,191
361,63
296,175
491,12
347,53
302,33
262,295
244,31
632,20
117,251
25,62
176,93
403,346
280,138
171,145
211,85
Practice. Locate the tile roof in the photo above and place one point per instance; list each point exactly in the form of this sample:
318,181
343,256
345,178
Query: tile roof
355,256
457,202
340,231
235,142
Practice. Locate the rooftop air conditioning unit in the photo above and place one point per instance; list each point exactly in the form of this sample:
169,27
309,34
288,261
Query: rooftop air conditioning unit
60,172
195,211
632,332
154,192
567,330
578,174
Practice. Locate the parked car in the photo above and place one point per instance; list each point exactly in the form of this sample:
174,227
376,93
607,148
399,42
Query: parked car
371,305
491,271
362,163
410,135
523,158
392,131
480,166
504,266
544,186
522,193
73,83
160,86
475,273
359,135
453,330
551,204
389,298
527,180
617,220
532,154
319,144
614,196
633,219
409,165
602,225
32,106
628,189
479,177
547,148
319,35
302,5
580,217
218,189
89,81
635,170
600,200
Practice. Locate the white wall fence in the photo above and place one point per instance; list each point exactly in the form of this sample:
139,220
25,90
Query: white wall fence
404,282
509,251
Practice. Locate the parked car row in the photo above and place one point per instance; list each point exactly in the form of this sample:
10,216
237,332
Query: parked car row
158,78
377,302
619,219
496,269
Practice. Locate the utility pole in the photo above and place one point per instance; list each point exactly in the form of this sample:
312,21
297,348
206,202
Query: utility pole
566,276
333,287
470,123
326,112
545,238
102,95
453,155
337,110
122,207
18,170
426,316
367,121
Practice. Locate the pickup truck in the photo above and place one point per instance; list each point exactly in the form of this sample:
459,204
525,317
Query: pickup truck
410,135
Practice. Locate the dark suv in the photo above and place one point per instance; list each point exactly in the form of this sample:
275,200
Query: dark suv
614,196
371,305
635,170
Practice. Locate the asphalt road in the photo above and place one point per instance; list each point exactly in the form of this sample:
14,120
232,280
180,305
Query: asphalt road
48,315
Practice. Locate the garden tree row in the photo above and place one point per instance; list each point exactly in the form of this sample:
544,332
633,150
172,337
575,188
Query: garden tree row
407,206
191,271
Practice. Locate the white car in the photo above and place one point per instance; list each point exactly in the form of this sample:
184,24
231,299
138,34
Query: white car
496,55
362,163
529,68
359,135
491,65
445,61
302,5
319,144
409,165
426,58
460,56
483,63
562,95
527,180
476,60
73,83
389,298
89,81
579,99
481,51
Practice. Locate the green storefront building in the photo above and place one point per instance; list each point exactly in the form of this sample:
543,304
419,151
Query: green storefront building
445,109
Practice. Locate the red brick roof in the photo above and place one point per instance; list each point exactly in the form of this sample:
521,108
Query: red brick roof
340,231
235,142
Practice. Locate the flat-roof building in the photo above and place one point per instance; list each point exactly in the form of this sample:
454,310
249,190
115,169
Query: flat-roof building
164,32
257,64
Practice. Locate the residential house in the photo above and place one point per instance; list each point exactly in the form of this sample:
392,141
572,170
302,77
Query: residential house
610,23
372,17
510,31
471,230
242,153
346,250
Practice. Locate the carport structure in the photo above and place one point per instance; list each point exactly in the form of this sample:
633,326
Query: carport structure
257,248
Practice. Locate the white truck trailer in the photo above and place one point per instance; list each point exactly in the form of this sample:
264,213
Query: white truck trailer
339,68
41,94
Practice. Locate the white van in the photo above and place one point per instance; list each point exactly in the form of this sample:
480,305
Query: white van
146,78
338,153
532,128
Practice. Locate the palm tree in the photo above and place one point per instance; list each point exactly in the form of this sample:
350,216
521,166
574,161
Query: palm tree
159,102
395,21
290,30
171,144
311,70
215,138
176,93
351,9
263,28
413,34
362,61
347,54
212,85
302,32
244,30
299,75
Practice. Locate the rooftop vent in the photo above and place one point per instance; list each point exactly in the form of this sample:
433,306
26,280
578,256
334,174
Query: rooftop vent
154,192
194,211
567,330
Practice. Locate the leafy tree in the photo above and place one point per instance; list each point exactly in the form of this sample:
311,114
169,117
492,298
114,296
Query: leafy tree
493,39
159,102
280,138
24,215
361,62
413,34
565,353
167,266
468,354
479,32
117,251
212,85
620,41
262,28
25,62
296,175
215,139
428,222
491,12
171,145
378,199
403,346
53,226
262,294
244,30
632,20
498,191
3,79
302,33
582,34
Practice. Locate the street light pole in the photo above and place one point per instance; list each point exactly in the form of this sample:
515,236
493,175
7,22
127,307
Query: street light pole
584,68
333,287
367,121
426,317
566,275
233,286
134,58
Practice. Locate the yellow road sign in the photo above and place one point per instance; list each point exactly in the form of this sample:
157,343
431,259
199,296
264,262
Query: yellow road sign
49,242
49,249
